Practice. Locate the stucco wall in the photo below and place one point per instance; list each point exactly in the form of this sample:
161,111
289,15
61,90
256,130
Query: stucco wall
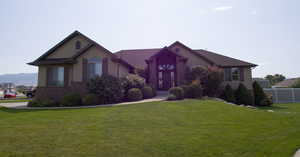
68,49
193,59
96,52
42,75
247,80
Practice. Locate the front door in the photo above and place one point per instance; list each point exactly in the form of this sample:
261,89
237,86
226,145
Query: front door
167,80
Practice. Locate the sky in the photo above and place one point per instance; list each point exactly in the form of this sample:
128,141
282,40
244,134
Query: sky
264,32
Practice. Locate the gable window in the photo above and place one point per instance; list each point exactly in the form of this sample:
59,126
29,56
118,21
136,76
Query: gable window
77,45
94,68
55,76
232,74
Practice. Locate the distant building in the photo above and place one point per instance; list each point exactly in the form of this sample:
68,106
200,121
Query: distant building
262,82
286,83
7,85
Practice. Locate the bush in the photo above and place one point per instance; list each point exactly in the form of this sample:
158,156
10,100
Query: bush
178,92
34,103
259,94
72,99
90,99
107,88
186,91
210,78
135,94
147,92
171,97
243,96
195,90
228,94
213,81
266,102
44,103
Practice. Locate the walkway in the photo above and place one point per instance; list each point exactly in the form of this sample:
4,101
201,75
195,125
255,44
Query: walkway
23,105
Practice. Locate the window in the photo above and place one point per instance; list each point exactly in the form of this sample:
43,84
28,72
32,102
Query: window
235,74
232,74
94,68
77,45
55,76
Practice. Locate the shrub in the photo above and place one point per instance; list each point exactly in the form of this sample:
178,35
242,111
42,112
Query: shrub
243,96
296,84
147,92
171,97
132,81
43,103
266,102
178,92
213,81
34,103
195,90
107,88
90,99
186,91
72,99
135,94
210,77
259,94
228,94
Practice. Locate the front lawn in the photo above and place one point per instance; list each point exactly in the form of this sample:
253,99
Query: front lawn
183,128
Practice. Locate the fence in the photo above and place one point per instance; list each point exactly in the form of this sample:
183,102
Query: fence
284,95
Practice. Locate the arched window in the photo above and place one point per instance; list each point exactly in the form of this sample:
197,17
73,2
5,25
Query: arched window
77,45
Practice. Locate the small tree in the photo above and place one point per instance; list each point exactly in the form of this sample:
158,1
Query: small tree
259,94
243,96
228,94
107,88
213,81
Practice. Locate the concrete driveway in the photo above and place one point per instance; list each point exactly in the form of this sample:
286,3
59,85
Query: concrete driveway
14,105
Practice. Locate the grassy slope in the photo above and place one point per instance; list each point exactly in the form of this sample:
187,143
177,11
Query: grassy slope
184,128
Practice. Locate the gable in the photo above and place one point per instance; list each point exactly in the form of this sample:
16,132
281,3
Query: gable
68,49
193,59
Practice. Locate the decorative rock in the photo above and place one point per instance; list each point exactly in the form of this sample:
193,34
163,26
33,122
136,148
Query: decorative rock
270,111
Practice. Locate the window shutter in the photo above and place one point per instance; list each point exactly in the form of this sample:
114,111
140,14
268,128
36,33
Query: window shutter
227,74
105,66
242,74
84,70
66,76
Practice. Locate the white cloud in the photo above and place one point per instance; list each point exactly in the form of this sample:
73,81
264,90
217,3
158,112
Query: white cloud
223,8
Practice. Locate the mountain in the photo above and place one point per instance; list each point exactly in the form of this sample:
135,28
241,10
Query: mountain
29,79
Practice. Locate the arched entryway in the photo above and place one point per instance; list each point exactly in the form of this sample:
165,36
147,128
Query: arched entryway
166,71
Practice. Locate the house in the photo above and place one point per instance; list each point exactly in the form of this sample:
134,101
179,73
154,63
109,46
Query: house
72,62
264,83
288,83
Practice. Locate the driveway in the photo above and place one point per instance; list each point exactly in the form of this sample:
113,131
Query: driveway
14,105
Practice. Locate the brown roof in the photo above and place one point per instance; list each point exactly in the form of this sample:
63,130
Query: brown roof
224,61
137,57
44,60
287,82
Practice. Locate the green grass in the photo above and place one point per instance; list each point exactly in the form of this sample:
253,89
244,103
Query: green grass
14,100
183,128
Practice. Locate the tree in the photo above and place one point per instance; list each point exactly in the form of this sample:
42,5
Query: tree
296,84
275,78
228,94
259,94
243,96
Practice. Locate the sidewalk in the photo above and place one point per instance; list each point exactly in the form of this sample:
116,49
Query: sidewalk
23,105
